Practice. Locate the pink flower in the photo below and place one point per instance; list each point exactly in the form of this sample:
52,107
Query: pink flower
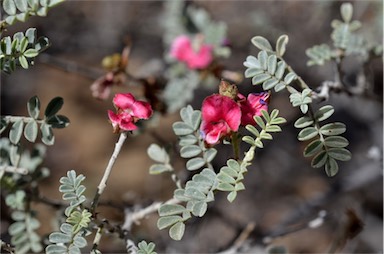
252,106
129,111
220,116
183,51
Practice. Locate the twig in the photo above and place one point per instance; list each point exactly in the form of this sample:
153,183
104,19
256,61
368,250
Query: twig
240,240
134,216
107,172
7,247
12,169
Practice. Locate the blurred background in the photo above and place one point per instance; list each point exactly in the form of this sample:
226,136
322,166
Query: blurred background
282,191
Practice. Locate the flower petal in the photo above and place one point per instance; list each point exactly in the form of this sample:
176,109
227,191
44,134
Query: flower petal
181,47
124,100
201,59
141,109
115,119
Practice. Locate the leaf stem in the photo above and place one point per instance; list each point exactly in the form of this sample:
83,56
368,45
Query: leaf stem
107,172
235,145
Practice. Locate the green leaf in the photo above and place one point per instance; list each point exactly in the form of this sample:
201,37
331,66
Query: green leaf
42,12
333,129
53,106
263,59
336,141
340,154
346,10
210,154
80,242
55,249
273,128
157,153
57,237
195,163
181,129
170,209
168,221
156,169
22,5
199,209
269,84
47,134
229,171
260,78
331,167
253,130
54,2
272,64
23,44
232,196
31,35
259,121
307,133
187,140
252,62
303,122
190,151
262,43
58,121
312,148
10,19
319,160
251,72
278,120
23,62
249,140
176,232
30,53
9,7
16,228
31,130
16,131
34,107
225,187
281,43
324,113
289,78
3,124
280,69
225,178
15,154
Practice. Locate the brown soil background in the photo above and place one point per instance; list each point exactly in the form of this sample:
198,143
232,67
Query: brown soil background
282,190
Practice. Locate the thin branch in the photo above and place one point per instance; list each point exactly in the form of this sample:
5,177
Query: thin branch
240,240
107,172
12,169
135,216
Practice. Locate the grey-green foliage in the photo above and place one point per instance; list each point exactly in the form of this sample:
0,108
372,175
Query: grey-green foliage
269,69
71,239
180,88
20,10
326,146
191,143
346,40
160,155
21,50
269,123
231,176
198,192
215,32
22,231
146,248
29,126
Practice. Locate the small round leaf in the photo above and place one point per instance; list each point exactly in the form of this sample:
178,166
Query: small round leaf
176,232
16,131
34,107
31,130
53,106
262,43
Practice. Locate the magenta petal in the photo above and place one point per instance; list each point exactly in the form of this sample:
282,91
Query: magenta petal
201,59
180,48
115,119
141,109
127,126
123,100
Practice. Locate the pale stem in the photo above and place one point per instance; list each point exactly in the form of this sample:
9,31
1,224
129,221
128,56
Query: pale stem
107,172
135,216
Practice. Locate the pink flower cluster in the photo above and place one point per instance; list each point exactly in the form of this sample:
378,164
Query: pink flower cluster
221,115
183,51
129,111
